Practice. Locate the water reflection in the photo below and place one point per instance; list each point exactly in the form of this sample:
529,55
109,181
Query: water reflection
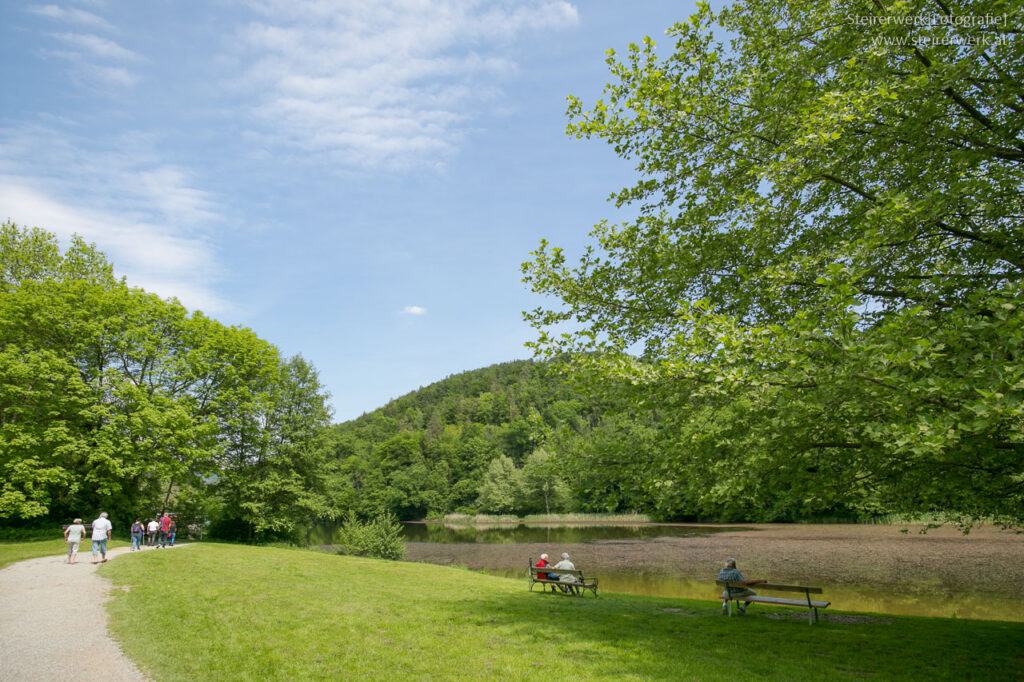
541,532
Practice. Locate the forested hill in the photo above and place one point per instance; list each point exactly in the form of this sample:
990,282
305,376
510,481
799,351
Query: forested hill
496,439
499,394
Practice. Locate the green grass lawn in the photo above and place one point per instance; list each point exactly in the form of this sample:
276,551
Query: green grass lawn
230,612
13,552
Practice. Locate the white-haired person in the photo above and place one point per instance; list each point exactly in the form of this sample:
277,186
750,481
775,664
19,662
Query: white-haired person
565,565
543,563
73,535
101,528
732,574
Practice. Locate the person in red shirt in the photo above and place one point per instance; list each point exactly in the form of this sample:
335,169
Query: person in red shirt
165,525
543,563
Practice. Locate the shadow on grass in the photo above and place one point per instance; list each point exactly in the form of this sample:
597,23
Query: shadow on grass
668,638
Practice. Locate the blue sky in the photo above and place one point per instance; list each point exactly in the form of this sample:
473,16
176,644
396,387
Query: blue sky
357,182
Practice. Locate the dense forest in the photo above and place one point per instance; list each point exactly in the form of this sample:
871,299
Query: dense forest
512,438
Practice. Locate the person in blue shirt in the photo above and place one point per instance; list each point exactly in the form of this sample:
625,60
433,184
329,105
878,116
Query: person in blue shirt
732,574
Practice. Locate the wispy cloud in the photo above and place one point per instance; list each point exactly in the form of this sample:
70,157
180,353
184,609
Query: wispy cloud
70,15
414,310
92,60
387,83
98,47
150,218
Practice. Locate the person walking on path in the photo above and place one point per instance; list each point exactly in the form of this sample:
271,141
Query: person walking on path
165,526
138,530
152,527
101,528
73,535
171,532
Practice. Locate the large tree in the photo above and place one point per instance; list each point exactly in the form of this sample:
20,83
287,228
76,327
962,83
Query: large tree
114,398
821,294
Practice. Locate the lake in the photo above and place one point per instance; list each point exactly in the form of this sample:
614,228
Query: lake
866,568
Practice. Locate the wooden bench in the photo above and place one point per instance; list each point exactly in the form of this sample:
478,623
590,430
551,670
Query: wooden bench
735,592
577,588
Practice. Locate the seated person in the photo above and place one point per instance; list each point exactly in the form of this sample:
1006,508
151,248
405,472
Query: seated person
732,574
543,563
565,565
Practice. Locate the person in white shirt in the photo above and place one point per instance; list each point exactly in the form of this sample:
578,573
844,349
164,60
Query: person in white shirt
73,535
101,528
565,565
152,527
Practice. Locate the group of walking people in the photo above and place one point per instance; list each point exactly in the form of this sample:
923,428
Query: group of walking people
156,533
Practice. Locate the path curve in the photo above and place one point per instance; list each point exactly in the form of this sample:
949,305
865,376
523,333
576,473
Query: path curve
53,625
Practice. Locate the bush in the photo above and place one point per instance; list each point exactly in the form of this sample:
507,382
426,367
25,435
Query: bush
380,537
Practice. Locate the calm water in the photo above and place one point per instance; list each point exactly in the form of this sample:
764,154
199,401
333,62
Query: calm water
562,535
450,545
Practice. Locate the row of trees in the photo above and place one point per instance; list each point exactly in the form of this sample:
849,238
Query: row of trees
113,398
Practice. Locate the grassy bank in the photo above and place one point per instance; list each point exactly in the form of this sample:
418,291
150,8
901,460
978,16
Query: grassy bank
228,612
13,552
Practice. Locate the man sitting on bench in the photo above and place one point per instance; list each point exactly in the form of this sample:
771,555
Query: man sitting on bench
732,574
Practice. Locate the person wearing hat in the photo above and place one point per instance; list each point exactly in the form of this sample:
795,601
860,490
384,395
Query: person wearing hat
732,574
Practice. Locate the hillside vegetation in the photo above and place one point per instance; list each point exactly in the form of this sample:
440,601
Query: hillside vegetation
509,438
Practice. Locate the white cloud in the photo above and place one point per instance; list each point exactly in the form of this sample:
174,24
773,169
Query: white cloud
414,310
385,83
108,75
70,15
93,60
98,47
148,217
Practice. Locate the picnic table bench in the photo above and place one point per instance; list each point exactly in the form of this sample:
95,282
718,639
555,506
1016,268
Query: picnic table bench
734,590
577,588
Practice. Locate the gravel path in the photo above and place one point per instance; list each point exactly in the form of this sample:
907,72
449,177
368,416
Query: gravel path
53,625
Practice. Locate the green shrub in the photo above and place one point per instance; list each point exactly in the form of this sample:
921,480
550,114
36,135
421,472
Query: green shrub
380,537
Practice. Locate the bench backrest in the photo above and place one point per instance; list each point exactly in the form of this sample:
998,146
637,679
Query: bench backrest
770,586
557,571
534,570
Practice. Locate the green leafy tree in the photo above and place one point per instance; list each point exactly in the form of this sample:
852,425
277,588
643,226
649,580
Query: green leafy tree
542,487
500,488
821,295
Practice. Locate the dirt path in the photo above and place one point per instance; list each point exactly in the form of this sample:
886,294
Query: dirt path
53,625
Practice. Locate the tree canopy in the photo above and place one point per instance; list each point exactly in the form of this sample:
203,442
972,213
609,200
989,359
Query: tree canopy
821,294
113,398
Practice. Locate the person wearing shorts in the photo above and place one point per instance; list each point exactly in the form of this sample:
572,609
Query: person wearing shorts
73,537
101,528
